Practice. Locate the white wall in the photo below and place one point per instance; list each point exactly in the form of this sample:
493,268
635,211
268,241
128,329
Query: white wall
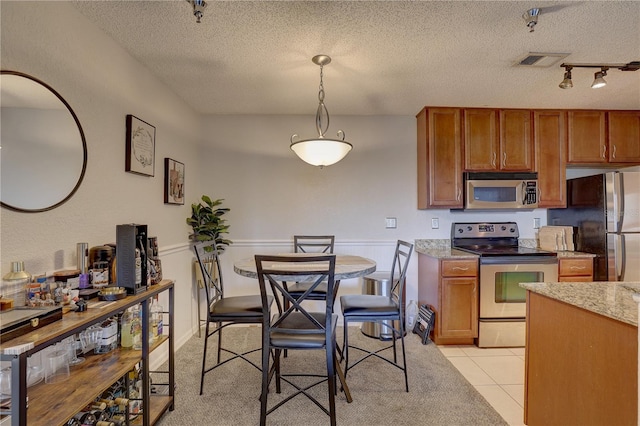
244,159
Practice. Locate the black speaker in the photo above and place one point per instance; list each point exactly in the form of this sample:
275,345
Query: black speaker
131,257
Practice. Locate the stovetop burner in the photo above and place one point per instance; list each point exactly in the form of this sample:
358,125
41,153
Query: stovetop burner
491,239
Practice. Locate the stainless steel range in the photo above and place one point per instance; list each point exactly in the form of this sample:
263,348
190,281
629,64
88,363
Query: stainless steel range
503,265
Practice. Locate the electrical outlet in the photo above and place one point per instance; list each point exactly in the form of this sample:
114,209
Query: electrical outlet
435,223
391,222
536,223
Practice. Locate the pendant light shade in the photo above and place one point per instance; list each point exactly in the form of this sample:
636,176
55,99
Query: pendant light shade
321,151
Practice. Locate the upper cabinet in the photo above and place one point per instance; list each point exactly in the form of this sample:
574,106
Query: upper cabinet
603,138
587,142
498,140
439,158
550,139
481,140
516,141
624,136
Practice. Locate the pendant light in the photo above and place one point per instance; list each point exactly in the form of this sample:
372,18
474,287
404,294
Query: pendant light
321,151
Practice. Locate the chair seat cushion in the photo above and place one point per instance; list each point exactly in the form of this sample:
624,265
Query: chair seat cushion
297,331
238,306
354,305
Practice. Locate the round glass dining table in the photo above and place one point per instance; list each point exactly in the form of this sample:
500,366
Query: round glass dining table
347,266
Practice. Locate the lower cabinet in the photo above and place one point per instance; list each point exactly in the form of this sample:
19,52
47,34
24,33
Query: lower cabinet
450,287
578,269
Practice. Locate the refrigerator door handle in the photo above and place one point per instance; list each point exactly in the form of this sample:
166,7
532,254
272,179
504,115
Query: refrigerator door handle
620,256
618,206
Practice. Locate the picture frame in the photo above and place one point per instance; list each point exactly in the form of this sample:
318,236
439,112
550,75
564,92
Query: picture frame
173,181
140,147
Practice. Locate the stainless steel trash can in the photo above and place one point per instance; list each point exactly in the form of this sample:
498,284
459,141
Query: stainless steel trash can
378,283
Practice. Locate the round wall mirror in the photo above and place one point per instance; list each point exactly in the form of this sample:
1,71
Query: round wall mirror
44,153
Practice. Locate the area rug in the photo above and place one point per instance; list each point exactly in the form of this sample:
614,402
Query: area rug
438,393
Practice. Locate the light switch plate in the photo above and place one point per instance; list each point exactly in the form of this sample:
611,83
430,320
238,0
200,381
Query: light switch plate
391,222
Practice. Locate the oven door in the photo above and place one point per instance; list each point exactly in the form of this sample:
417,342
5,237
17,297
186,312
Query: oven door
500,293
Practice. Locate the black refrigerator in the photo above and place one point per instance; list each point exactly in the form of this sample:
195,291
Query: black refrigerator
604,211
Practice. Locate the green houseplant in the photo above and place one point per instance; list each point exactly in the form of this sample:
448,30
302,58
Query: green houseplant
208,223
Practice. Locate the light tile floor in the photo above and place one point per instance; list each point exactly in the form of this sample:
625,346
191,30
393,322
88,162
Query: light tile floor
496,373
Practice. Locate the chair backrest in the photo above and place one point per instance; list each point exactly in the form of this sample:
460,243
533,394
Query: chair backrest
399,270
208,259
274,270
313,243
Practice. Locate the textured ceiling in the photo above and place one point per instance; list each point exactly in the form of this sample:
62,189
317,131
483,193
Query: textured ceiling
389,58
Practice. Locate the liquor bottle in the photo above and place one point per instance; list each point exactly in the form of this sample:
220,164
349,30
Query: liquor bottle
126,324
136,328
86,418
156,320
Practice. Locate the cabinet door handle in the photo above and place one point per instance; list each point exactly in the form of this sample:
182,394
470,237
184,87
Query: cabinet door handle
504,159
493,160
604,151
613,153
460,268
459,194
578,268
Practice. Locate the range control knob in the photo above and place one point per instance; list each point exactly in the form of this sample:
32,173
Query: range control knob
503,228
460,230
512,230
469,228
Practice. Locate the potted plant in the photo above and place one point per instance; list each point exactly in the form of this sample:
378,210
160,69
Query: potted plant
208,222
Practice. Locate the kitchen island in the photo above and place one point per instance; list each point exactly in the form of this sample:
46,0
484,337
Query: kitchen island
581,356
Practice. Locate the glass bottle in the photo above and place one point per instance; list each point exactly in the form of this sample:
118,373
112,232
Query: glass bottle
136,328
411,315
126,332
156,320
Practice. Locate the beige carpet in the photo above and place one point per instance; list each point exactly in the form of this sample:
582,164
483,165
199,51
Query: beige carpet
439,395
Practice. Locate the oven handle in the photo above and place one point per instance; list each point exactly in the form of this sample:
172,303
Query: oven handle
514,260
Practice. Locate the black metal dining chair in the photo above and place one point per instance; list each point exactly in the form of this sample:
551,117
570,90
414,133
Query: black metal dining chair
387,311
224,311
297,328
320,244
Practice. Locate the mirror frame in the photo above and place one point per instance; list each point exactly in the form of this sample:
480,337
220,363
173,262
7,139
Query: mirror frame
82,137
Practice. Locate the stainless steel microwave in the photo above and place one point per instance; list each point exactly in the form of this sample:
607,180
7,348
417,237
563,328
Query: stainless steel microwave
489,190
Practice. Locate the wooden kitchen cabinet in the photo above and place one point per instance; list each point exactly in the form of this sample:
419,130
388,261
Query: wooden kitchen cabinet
603,137
440,158
586,137
450,287
577,269
550,141
481,139
497,140
624,136
516,140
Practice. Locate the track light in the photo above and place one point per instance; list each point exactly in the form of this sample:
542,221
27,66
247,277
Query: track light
566,83
599,79
599,75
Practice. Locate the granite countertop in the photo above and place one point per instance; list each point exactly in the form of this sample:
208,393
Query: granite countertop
610,299
441,249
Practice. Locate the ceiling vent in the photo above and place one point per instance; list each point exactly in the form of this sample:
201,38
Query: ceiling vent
541,60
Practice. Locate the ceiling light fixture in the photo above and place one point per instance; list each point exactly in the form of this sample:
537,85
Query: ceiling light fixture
567,83
198,8
599,75
599,79
321,151
531,18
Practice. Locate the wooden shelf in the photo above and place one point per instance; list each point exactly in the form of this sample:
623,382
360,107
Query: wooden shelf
55,404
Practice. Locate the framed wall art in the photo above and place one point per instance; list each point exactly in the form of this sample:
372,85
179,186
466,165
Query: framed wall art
173,182
141,147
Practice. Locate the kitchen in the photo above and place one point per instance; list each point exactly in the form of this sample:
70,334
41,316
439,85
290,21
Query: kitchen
245,159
